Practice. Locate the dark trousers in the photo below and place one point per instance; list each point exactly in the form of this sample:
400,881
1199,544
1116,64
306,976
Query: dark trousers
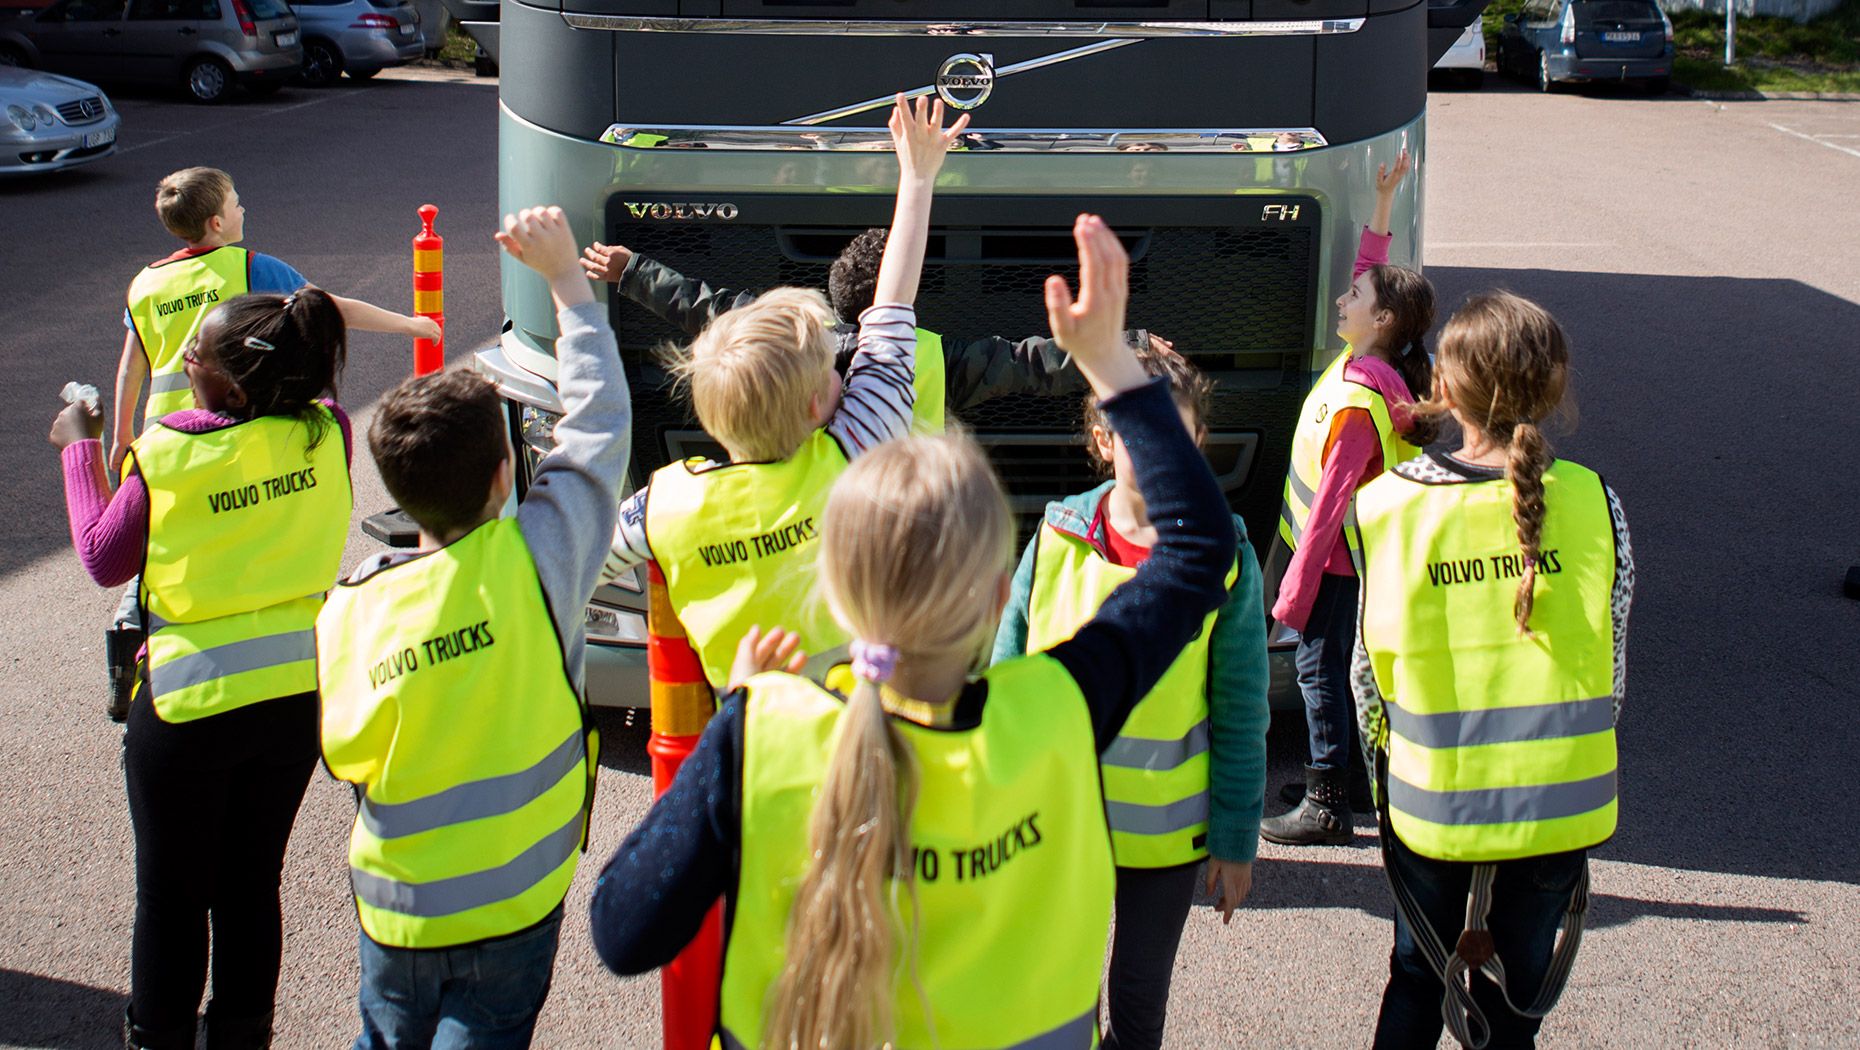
1323,663
1152,907
212,802
1529,897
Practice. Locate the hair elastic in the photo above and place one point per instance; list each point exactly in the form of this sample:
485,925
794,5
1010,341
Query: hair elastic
874,662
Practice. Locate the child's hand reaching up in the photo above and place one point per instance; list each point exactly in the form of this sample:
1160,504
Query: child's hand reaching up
1387,179
778,650
921,142
1092,328
540,239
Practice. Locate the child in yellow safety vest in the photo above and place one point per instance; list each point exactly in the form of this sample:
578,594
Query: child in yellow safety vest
167,301
1186,778
735,542
955,881
234,514
1354,424
1489,669
452,681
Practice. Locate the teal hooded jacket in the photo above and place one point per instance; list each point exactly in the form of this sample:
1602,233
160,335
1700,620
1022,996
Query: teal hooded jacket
1237,677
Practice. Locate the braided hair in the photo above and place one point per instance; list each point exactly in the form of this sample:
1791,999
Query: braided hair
284,352
1504,364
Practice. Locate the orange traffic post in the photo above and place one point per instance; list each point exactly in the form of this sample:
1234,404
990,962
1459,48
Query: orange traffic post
429,295
682,704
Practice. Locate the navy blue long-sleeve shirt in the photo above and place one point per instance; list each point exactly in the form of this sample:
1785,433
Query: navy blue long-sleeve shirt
655,890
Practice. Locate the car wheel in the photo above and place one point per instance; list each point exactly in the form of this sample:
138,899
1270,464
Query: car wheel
1657,86
1544,81
362,74
322,63
207,80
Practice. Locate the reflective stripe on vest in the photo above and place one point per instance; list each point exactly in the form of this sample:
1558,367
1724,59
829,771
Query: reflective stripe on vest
928,384
246,529
1156,771
1500,745
1331,394
1013,871
446,700
736,543
167,302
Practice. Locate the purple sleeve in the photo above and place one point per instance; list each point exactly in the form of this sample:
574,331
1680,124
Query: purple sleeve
348,429
1352,451
1372,250
110,533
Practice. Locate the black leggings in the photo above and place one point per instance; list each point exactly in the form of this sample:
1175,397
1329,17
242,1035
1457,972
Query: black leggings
212,802
1152,907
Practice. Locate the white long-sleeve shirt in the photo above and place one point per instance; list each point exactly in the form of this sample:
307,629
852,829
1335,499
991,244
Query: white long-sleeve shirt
875,406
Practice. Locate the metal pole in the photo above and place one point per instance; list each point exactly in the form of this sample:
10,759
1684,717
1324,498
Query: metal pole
1730,33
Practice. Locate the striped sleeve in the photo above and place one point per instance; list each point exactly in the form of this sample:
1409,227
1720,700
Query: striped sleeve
1622,600
629,547
878,398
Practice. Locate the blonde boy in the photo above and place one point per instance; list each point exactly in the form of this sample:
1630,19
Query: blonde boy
735,542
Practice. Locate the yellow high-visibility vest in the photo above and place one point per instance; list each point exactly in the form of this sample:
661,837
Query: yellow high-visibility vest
737,542
447,702
1013,878
246,528
1331,394
1499,744
167,302
929,384
1156,771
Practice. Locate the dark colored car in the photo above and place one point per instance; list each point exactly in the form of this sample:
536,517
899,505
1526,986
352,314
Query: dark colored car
1573,41
203,46
357,37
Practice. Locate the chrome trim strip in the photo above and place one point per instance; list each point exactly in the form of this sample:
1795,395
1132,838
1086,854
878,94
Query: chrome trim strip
1005,71
843,27
993,140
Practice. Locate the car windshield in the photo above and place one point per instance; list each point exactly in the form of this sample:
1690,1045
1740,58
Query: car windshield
264,10
1623,11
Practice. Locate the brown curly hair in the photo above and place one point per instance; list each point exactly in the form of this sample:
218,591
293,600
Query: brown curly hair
1191,390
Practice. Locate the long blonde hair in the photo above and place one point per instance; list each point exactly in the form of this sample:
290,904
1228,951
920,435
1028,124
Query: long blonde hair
915,538
1504,362
752,372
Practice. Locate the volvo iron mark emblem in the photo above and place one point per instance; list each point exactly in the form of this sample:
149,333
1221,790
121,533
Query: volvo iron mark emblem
965,81
681,212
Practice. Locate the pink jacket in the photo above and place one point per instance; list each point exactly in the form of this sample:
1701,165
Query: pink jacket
1352,458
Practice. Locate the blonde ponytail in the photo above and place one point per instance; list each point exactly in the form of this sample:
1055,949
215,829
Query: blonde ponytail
1525,463
915,541
836,989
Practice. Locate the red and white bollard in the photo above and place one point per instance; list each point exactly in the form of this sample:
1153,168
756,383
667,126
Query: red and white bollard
429,295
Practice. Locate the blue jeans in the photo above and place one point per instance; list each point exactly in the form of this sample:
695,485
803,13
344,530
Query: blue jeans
1528,901
1323,662
482,996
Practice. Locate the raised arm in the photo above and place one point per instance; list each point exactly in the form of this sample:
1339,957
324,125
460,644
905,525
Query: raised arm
1119,656
682,302
921,142
368,317
1388,179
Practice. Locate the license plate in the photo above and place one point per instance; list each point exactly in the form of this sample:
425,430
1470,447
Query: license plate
100,138
406,29
287,39
1621,38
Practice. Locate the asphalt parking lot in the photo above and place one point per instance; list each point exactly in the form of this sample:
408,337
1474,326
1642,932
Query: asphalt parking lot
1705,258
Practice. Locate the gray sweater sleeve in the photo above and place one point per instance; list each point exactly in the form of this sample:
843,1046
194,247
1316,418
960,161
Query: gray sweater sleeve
568,514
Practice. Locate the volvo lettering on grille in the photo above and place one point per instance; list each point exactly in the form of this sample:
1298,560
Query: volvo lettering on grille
681,212
965,81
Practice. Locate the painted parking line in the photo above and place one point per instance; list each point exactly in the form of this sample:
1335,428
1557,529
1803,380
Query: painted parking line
1819,140
266,112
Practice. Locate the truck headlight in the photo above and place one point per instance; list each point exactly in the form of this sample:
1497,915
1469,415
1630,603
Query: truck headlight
605,623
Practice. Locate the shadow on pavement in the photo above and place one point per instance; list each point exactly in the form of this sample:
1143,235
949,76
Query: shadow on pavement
623,739
1281,883
40,1011
1722,412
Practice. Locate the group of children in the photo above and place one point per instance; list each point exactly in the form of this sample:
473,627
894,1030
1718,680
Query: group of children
924,844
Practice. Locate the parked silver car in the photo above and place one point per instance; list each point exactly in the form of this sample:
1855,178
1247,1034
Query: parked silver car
52,122
205,46
357,37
